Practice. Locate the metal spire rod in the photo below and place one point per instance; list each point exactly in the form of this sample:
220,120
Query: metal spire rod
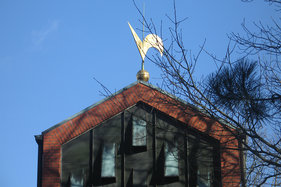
143,17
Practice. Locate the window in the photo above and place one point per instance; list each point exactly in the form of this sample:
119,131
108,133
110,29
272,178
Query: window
205,167
201,166
108,161
171,161
139,132
204,178
76,182
75,161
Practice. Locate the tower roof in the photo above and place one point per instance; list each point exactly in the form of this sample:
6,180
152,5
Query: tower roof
138,91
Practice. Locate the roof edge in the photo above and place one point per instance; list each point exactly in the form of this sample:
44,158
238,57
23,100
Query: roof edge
125,88
188,104
90,107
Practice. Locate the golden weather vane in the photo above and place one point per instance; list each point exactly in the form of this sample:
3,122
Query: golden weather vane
151,40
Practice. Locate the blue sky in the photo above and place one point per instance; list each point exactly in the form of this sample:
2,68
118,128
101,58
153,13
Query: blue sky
50,51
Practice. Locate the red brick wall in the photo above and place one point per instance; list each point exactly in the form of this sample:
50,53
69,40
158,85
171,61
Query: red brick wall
53,139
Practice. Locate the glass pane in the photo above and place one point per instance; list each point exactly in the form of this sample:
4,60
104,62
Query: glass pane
205,165
139,132
108,161
75,161
76,182
204,178
171,161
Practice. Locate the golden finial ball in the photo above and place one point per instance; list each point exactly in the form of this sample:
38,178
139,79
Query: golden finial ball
143,75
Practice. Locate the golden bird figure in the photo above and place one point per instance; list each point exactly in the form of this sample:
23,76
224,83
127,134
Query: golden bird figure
151,40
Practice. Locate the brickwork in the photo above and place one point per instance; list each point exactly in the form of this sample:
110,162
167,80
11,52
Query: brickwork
53,139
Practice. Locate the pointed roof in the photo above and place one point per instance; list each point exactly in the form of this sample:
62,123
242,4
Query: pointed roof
138,91
54,137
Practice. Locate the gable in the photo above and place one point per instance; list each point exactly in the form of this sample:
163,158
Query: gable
137,93
125,98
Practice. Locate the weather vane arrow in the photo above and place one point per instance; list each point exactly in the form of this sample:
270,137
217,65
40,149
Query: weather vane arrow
151,40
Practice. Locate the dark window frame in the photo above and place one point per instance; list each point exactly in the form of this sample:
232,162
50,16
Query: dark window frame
136,149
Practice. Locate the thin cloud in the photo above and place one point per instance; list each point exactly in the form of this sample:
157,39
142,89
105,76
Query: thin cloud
39,36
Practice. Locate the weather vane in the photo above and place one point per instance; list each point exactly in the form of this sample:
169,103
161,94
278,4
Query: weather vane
151,40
